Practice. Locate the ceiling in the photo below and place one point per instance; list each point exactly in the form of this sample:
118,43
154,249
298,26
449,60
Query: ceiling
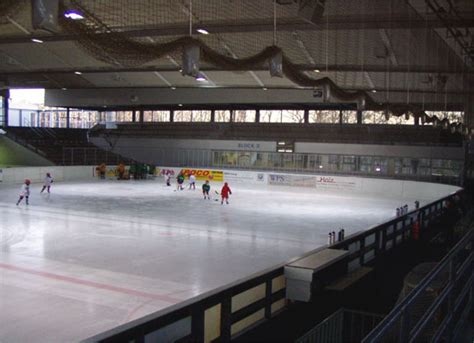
408,51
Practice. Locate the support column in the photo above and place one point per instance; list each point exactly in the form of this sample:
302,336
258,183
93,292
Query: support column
6,95
213,116
306,116
68,117
141,117
257,116
359,117
171,116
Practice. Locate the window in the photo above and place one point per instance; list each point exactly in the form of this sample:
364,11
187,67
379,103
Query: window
385,118
452,116
244,116
201,116
349,117
324,116
281,116
156,116
124,116
374,117
222,116
182,116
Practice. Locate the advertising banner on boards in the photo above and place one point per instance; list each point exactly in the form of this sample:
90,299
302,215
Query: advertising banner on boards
205,174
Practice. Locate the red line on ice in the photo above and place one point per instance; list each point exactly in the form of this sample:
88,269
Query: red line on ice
91,283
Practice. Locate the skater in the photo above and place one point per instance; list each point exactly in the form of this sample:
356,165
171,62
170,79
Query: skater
192,181
48,180
225,191
102,169
121,171
206,187
180,180
24,192
168,178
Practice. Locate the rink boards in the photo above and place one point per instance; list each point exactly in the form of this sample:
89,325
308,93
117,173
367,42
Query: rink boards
320,182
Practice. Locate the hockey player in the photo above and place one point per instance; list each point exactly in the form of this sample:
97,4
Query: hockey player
206,187
192,181
24,192
225,191
48,180
168,178
180,180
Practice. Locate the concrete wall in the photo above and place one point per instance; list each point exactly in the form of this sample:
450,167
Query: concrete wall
167,96
159,151
455,153
13,154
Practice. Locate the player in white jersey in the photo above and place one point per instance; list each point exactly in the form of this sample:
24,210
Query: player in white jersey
192,181
48,180
24,192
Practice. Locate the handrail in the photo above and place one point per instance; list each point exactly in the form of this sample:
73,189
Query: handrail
400,308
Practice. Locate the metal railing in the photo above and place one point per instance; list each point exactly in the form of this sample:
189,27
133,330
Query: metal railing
363,248
90,156
342,326
450,306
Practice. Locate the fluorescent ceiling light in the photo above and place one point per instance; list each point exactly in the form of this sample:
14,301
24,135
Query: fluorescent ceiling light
180,105
374,91
77,73
173,88
36,40
317,70
74,15
200,77
203,31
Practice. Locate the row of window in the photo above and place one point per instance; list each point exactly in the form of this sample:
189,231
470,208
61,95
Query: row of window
390,166
86,119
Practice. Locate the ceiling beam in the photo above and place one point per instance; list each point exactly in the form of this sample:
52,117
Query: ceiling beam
304,67
336,22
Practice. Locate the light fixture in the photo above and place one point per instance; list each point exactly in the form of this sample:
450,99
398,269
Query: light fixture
317,70
73,14
203,31
377,169
264,88
320,166
181,70
281,143
64,88
374,91
200,77
180,105
77,73
173,88
35,40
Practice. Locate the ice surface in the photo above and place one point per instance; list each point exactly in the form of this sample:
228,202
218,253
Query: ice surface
94,255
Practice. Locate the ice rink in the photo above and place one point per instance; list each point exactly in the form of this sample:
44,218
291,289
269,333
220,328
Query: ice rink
94,255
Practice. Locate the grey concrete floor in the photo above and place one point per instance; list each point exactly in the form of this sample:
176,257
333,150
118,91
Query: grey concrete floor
94,255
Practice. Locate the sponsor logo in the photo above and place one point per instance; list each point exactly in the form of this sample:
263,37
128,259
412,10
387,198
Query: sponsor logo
326,179
165,171
204,174
260,177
